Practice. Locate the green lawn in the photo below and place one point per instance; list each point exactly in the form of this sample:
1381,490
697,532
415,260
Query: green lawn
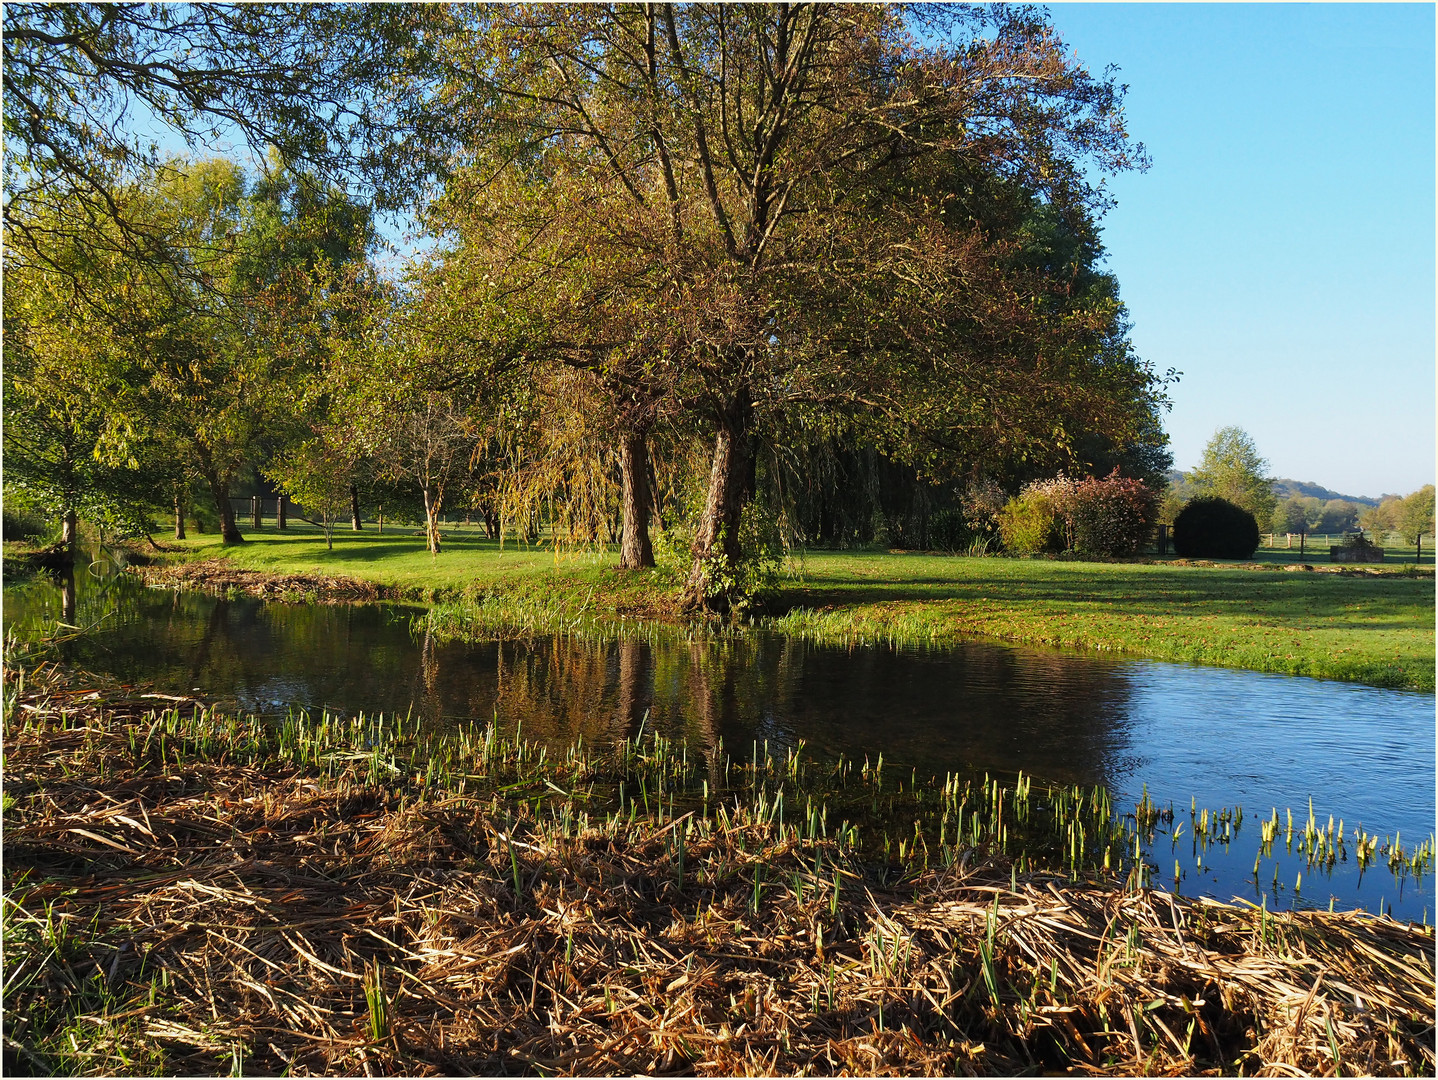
396,557
1375,629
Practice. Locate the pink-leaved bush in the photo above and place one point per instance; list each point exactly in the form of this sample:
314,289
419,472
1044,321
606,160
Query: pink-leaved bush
1109,517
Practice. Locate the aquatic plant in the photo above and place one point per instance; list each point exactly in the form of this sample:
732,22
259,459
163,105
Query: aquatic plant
358,894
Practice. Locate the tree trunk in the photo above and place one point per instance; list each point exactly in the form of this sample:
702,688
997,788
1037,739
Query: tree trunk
354,509
491,520
179,516
431,522
70,535
635,550
220,491
717,551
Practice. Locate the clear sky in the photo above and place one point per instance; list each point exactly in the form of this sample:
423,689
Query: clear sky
1280,251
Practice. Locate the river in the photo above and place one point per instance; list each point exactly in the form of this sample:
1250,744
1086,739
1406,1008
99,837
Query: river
1193,736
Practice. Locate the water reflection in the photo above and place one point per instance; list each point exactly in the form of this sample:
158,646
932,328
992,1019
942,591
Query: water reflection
1222,737
973,707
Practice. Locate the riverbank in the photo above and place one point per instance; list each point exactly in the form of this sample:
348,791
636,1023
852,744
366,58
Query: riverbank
1356,625
189,892
1371,625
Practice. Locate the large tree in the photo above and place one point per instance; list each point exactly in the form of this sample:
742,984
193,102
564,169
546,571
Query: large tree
778,194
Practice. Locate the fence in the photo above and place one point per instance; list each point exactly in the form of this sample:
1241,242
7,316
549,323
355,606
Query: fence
257,509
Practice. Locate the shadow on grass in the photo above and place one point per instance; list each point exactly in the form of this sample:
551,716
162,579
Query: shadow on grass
1156,593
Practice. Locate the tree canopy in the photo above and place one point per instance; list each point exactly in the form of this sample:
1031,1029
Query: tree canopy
1233,469
96,94
691,261
757,216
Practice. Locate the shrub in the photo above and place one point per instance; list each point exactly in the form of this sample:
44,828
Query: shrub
1031,521
1110,517
982,501
1104,518
1213,528
948,531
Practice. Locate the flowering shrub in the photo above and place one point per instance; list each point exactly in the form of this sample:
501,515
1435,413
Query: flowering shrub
1108,517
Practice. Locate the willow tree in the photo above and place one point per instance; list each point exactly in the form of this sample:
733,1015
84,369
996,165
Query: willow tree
769,190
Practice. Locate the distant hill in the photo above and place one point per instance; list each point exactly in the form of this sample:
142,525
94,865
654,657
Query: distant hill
1285,487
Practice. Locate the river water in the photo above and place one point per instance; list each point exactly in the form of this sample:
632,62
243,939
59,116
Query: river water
1207,737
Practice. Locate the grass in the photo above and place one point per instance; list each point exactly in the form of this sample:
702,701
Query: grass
1373,625
468,565
1375,629
193,892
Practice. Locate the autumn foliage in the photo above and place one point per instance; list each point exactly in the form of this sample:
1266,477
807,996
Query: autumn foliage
1106,518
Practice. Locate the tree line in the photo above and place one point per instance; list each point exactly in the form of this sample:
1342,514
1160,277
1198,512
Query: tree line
749,273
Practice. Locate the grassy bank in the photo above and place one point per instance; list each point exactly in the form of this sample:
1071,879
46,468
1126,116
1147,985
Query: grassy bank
1372,625
188,892
1372,628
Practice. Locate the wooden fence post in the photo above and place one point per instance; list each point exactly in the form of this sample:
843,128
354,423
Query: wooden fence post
280,521
255,506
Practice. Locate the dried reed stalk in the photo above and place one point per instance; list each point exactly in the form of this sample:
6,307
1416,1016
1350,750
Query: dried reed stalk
192,912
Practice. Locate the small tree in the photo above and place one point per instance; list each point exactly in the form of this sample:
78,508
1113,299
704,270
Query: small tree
1382,519
1415,515
1234,470
318,474
427,442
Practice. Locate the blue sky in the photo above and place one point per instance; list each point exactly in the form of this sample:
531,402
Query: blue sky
1280,251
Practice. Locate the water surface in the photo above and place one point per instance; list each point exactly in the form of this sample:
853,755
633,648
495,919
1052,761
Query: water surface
1218,737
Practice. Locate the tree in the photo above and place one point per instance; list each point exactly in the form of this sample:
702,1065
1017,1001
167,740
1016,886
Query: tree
68,448
1233,469
319,473
778,192
310,80
1297,514
1415,515
1382,519
427,441
194,368
1338,516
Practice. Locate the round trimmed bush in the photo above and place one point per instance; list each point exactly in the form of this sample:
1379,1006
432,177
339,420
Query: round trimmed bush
1213,528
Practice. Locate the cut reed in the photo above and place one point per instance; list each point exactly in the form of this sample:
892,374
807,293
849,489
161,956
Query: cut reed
350,896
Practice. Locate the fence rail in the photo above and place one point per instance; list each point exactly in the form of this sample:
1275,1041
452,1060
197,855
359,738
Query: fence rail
258,508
